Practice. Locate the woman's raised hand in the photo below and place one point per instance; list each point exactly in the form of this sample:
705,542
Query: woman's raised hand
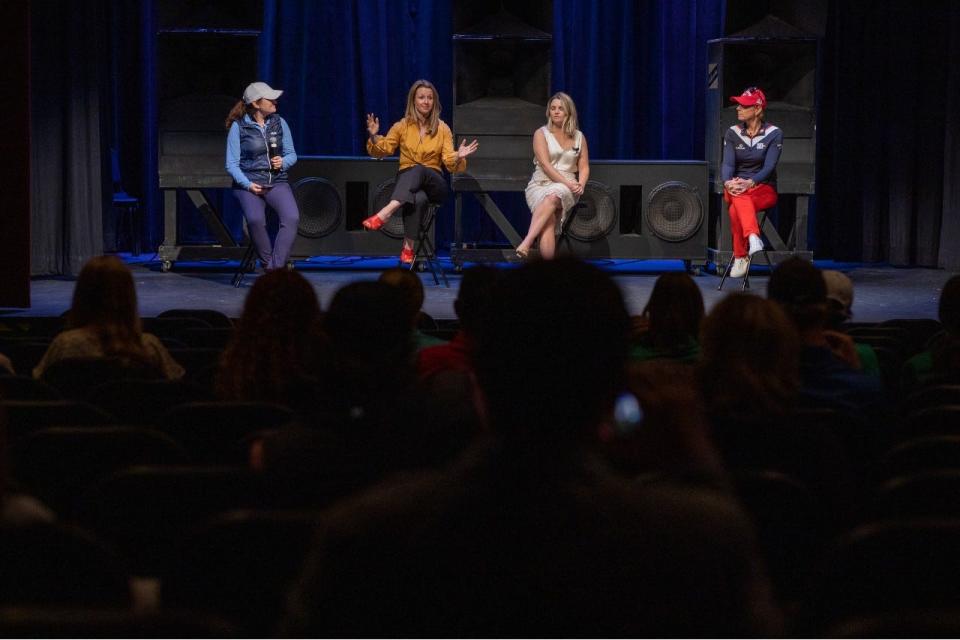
373,124
466,149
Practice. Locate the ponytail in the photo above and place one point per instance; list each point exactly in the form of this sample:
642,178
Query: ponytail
235,113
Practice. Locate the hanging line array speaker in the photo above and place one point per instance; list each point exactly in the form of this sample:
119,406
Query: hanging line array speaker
674,211
595,214
321,210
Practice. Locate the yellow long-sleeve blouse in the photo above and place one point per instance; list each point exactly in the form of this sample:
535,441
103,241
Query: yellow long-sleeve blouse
429,151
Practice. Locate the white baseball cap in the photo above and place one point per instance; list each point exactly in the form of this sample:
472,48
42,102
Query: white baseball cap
257,90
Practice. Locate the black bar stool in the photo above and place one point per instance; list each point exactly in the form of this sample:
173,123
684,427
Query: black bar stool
423,249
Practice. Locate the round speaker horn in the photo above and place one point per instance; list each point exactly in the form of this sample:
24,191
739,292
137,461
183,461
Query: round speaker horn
394,226
320,207
594,216
674,211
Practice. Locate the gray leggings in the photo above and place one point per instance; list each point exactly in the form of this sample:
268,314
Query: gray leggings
280,198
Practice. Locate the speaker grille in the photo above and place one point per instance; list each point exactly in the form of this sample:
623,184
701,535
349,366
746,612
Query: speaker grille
595,214
320,207
394,226
674,211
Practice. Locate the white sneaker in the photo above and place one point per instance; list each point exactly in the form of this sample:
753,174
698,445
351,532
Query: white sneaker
756,244
739,268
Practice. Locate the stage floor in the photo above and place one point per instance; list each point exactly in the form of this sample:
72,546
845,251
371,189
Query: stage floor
881,292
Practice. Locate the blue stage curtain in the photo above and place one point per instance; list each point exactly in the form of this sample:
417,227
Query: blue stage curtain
338,61
637,71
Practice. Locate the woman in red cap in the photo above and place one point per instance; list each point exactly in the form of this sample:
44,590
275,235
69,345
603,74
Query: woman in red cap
751,149
425,142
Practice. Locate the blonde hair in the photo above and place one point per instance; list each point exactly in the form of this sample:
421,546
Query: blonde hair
570,125
433,120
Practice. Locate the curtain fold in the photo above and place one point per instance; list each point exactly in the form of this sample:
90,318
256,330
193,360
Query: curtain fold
67,46
887,161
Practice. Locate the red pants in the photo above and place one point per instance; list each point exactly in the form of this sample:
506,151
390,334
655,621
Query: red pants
743,214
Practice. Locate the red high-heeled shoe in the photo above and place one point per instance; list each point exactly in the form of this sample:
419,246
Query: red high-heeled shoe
406,256
373,223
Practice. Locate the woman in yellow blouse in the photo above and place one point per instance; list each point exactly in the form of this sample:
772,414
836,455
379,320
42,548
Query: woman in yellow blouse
425,141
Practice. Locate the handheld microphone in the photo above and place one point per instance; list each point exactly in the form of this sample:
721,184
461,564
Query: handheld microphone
274,150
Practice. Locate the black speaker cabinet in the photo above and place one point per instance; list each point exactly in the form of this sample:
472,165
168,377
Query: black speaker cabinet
334,195
205,59
642,210
501,61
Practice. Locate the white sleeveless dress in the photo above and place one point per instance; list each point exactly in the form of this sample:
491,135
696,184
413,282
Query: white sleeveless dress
565,162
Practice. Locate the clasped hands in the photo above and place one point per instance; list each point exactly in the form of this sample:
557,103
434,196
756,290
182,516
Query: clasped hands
736,186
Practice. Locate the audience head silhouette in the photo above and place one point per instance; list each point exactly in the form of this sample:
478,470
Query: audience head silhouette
551,356
105,296
276,341
949,310
473,298
409,284
369,322
674,310
798,286
750,358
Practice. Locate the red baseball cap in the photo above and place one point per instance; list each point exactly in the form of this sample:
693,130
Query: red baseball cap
751,96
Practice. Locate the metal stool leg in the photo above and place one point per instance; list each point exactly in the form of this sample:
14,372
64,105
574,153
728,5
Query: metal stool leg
761,219
249,256
423,248
726,272
762,216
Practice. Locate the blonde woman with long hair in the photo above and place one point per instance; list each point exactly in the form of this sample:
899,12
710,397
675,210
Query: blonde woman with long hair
425,143
562,168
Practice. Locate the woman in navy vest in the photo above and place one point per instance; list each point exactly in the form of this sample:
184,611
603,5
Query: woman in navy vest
751,149
259,153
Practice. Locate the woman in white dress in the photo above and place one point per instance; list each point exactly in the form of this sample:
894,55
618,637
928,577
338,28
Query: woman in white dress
562,169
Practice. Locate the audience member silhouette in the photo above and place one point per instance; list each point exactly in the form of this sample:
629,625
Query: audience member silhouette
670,323
473,299
941,361
667,432
366,417
529,533
750,378
446,371
277,344
412,288
750,367
103,322
829,366
840,310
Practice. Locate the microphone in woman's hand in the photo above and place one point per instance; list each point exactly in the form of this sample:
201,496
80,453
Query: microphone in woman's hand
274,150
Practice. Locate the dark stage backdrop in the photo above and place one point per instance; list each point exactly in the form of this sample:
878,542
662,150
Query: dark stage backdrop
888,174
888,166
67,105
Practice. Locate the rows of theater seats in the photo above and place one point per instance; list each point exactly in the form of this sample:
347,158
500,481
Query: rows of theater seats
163,528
